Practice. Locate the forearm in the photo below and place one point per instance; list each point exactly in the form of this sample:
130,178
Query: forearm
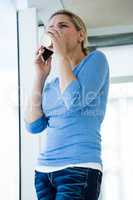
33,108
65,73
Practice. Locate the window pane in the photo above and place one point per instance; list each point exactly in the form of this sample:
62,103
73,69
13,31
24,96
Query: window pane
117,129
9,137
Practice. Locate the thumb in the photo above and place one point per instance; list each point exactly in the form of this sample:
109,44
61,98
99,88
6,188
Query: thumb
49,61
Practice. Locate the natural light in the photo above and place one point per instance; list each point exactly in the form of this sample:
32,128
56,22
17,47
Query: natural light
9,126
116,129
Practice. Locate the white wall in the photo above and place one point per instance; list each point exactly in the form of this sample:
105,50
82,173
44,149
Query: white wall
9,119
110,30
29,143
120,60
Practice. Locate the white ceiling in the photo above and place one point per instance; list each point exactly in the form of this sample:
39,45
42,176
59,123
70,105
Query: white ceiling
96,13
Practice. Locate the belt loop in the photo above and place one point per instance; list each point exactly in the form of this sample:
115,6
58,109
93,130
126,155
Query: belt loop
50,177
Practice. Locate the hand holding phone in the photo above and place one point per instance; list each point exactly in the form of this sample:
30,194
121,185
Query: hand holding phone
42,67
46,54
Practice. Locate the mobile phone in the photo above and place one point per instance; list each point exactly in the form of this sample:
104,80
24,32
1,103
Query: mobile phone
47,53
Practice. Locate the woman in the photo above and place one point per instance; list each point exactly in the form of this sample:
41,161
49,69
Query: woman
72,107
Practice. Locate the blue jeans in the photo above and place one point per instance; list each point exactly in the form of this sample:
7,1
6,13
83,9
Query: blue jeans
72,183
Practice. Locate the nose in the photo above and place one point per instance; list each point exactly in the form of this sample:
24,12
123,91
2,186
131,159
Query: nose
55,27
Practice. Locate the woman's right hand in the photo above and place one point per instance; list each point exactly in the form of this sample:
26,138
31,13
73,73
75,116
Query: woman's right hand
42,68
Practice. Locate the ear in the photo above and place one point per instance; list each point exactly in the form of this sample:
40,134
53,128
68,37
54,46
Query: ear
81,36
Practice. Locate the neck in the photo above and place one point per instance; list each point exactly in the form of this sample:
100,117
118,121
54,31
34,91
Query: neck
75,58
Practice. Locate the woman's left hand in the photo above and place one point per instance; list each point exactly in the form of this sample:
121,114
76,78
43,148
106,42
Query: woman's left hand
59,42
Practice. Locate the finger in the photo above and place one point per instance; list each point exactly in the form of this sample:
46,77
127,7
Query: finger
39,49
58,32
42,59
39,55
40,52
39,59
49,60
51,34
55,32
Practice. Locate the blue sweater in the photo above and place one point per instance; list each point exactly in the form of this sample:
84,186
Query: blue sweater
73,119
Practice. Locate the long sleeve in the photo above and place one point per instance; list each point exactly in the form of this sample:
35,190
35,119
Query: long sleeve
82,91
38,125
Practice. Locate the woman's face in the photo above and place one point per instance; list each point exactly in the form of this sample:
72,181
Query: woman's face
72,36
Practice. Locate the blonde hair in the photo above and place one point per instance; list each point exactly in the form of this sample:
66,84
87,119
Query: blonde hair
78,23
